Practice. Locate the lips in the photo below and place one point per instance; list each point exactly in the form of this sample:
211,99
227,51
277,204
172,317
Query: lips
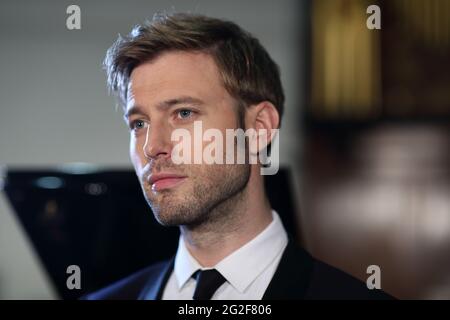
162,181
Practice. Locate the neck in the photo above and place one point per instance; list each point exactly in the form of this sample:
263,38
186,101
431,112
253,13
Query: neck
232,224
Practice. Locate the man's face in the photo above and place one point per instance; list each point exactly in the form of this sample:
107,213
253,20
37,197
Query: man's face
168,93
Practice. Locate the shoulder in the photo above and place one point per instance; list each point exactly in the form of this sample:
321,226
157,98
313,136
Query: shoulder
319,280
130,287
328,282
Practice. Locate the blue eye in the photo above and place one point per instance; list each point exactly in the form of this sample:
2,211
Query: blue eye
184,113
137,124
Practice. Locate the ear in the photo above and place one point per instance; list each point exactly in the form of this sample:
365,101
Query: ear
264,119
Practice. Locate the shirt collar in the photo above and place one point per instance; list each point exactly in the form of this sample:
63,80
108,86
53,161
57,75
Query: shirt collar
185,264
244,265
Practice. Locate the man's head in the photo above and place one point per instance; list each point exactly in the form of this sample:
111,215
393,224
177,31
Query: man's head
183,68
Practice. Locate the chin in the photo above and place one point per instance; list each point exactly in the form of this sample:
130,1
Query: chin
173,213
168,219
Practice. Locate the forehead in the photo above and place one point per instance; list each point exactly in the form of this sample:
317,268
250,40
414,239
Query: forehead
174,74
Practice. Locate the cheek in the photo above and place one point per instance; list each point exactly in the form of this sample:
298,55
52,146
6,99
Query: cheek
136,154
221,122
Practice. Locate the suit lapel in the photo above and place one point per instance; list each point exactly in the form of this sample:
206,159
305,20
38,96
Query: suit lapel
291,279
154,287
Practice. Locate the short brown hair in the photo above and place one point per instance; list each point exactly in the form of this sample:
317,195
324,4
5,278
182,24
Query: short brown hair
248,72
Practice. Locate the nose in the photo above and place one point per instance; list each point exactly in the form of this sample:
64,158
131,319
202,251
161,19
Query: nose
157,142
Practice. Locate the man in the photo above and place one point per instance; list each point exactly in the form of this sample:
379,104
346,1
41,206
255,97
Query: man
169,74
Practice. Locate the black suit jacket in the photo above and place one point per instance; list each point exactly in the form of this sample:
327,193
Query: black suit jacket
298,276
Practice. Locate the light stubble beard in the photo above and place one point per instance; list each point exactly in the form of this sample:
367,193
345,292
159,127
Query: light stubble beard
206,201
215,200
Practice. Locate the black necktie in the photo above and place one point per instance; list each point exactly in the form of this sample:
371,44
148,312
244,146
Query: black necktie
208,281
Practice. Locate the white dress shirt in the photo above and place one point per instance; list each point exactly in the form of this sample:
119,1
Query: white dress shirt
248,270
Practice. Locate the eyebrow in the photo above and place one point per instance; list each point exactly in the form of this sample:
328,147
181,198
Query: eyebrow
137,109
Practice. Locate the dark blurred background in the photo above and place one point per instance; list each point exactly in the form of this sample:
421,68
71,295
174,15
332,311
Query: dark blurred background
366,135
376,156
